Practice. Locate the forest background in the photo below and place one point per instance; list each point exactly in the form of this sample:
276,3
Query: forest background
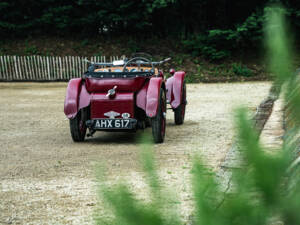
213,40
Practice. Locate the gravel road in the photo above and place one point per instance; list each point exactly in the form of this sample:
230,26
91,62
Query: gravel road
45,178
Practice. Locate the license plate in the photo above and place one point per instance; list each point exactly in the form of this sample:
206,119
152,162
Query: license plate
112,124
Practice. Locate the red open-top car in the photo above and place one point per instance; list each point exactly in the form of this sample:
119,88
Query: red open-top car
124,95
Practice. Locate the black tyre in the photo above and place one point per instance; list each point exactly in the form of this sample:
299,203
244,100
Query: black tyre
148,122
158,123
78,127
179,112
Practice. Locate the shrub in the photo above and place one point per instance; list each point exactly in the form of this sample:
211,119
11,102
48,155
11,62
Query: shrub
241,70
205,46
31,50
219,44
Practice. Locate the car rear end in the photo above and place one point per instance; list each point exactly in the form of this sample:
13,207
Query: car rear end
112,104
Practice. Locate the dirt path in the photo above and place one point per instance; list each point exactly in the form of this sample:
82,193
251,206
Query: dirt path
45,178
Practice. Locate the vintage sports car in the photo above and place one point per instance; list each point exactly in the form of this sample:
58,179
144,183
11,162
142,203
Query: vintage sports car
124,95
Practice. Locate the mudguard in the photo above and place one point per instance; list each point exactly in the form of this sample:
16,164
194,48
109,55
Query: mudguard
141,97
77,97
169,86
174,89
152,98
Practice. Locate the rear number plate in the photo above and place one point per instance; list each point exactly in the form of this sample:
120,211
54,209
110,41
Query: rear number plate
112,124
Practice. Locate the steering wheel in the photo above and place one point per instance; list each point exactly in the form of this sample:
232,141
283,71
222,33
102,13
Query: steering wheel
138,63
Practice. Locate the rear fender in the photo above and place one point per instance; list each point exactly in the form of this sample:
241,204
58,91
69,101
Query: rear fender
141,97
153,92
169,86
174,87
77,98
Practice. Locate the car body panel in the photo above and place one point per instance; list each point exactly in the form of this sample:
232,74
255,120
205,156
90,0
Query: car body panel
141,97
169,87
121,103
71,100
84,98
94,85
174,89
152,98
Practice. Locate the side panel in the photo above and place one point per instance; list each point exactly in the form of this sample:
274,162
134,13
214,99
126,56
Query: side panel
71,100
178,80
153,96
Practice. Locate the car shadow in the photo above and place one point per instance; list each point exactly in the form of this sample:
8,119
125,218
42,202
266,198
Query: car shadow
171,123
102,137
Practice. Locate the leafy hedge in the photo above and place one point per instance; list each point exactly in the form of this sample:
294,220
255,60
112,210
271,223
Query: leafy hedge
218,44
65,17
214,32
150,17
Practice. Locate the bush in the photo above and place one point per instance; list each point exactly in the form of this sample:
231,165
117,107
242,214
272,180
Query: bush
241,70
207,46
220,44
31,50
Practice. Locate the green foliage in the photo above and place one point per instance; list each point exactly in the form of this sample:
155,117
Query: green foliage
257,197
31,50
2,51
279,48
219,44
202,45
178,59
98,54
133,46
258,194
194,78
138,18
241,70
156,4
84,42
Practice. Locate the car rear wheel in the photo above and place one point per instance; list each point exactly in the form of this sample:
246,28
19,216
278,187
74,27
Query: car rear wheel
179,112
159,121
78,127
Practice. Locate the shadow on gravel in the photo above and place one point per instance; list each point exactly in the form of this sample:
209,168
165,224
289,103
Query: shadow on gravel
186,124
102,137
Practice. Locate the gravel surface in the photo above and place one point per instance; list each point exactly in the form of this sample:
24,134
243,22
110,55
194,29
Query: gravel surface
45,178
